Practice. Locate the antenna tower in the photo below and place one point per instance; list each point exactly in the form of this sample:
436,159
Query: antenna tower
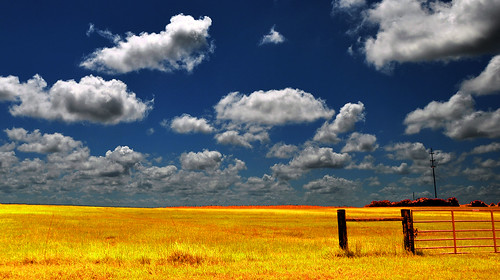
433,165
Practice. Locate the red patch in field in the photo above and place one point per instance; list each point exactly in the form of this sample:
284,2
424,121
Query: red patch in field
258,207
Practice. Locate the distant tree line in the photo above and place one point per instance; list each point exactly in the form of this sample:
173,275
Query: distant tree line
452,201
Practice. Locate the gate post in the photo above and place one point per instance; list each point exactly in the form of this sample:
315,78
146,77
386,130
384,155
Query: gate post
342,229
409,236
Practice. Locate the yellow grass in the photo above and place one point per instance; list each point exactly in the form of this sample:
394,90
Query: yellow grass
69,242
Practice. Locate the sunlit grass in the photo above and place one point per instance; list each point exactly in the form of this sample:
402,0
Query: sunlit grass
68,242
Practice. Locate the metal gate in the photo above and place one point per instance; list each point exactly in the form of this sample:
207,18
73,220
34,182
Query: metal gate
457,231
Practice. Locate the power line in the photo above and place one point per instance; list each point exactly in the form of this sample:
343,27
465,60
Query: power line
433,165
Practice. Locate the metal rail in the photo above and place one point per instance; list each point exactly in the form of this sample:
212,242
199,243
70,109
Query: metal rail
455,231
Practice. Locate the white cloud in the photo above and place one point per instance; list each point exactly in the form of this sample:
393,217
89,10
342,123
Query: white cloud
333,190
416,30
182,45
310,158
124,156
349,114
233,137
281,150
347,5
7,157
206,160
359,142
9,88
458,118
437,114
408,150
487,82
103,33
38,143
157,173
368,163
92,99
266,186
314,157
188,124
489,148
274,37
332,186
273,107
476,125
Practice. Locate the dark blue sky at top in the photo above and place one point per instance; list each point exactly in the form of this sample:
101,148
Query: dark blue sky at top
53,39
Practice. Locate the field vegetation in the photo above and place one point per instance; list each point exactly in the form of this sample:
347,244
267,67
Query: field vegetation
73,242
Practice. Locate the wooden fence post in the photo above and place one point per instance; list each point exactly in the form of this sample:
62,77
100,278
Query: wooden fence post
409,236
342,229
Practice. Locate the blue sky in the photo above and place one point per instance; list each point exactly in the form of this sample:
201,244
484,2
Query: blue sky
165,103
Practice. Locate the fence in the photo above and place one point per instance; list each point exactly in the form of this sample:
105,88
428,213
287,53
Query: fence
412,236
406,219
484,226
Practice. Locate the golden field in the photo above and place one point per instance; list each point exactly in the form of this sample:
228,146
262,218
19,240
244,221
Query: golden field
75,242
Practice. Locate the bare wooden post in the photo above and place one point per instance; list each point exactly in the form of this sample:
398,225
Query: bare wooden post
409,236
342,229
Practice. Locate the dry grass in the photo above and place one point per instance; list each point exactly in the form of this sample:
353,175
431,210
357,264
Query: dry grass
69,242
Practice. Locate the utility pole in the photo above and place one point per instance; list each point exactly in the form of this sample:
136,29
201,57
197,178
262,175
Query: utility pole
433,174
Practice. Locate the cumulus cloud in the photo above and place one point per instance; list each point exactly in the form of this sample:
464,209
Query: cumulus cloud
359,142
487,82
7,157
416,30
274,37
310,158
314,157
115,38
181,46
265,186
10,87
332,186
233,137
347,5
349,114
42,143
206,160
417,154
438,114
489,148
479,124
368,163
333,190
281,150
188,124
457,117
92,99
408,150
273,107
124,156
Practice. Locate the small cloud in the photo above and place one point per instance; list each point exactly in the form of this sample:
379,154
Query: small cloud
115,38
206,160
359,142
489,148
347,5
345,121
273,107
488,82
150,131
188,124
281,150
92,99
274,37
181,46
